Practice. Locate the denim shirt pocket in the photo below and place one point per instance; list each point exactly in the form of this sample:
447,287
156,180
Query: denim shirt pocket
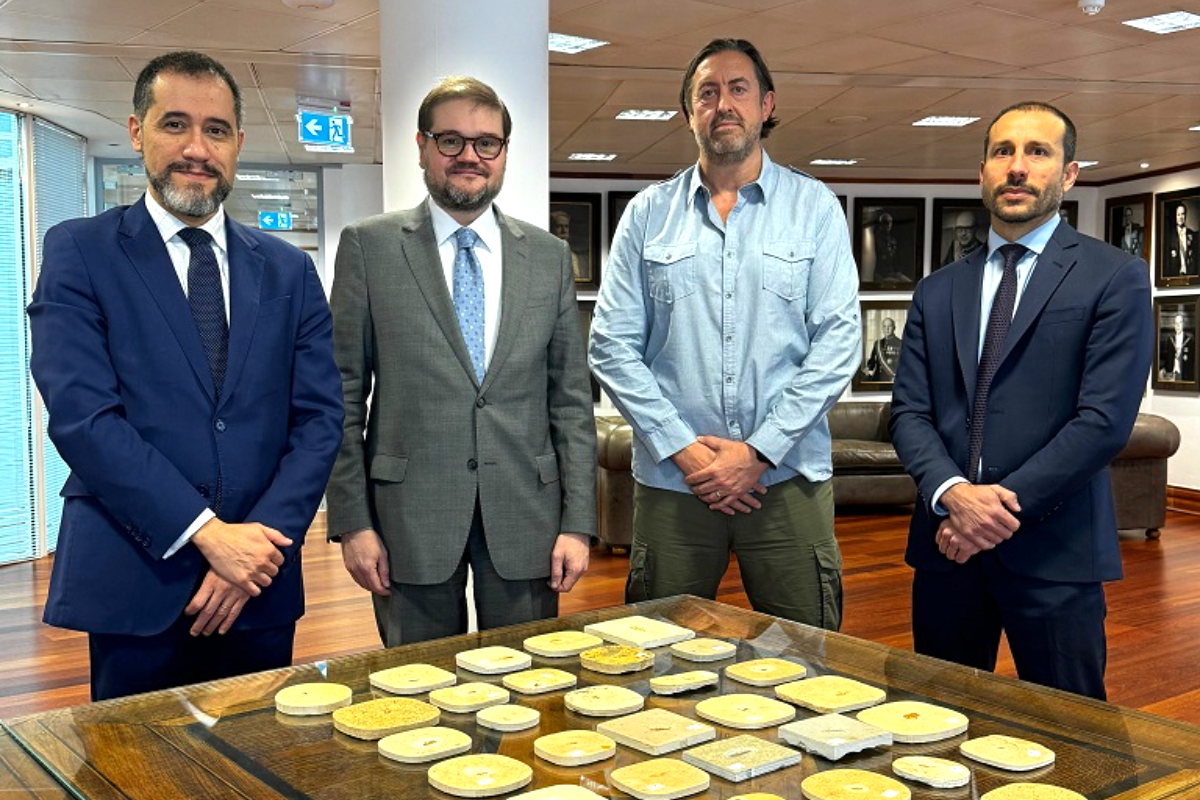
671,270
785,267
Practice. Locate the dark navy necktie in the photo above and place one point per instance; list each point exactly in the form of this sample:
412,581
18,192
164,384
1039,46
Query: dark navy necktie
468,298
207,301
999,322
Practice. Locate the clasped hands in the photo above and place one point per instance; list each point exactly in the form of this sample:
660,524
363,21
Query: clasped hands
981,517
243,559
724,474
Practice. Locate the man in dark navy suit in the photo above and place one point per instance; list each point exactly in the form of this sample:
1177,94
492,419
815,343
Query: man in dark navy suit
1020,379
186,362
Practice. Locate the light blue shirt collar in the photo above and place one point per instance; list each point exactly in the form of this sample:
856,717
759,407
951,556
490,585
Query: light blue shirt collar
1036,240
757,190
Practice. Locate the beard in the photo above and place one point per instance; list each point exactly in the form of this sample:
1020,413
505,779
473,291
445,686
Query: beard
1045,202
731,147
192,200
451,198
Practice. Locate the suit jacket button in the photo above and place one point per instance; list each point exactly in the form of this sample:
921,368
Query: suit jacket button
219,425
472,464
203,490
480,403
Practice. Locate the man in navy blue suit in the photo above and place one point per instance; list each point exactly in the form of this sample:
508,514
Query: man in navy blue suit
187,366
1020,378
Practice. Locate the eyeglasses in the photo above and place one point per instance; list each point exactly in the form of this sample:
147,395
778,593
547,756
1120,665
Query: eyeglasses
452,144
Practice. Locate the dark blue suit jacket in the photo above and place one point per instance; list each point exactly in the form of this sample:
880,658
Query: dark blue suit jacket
1061,405
119,363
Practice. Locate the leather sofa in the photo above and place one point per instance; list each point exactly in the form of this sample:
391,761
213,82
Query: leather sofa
867,471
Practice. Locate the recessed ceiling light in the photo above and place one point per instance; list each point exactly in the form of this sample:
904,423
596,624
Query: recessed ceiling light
270,196
562,43
252,176
1086,164
657,115
591,156
944,122
833,162
329,148
1171,22
24,105
1194,128
1144,165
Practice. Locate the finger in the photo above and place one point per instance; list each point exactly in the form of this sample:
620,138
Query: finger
751,501
260,579
556,570
276,538
275,557
202,594
760,489
201,623
234,612
573,575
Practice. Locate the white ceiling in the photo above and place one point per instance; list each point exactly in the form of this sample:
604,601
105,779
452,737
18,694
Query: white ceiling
851,75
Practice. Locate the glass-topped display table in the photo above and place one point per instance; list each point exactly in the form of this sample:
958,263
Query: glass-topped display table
225,739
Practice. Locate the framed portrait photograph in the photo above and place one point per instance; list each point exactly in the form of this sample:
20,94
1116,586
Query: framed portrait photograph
1127,223
889,237
586,309
882,329
616,207
1175,358
575,218
1177,262
960,227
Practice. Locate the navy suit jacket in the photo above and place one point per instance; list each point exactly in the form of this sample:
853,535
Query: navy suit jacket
1061,405
119,363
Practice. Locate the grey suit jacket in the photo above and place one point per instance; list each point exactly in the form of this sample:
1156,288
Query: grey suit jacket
413,459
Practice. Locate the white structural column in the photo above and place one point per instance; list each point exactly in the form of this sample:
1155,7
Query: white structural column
501,43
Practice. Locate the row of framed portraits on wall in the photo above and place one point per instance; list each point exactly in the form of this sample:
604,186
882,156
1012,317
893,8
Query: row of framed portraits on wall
889,234
1176,258
1175,368
888,239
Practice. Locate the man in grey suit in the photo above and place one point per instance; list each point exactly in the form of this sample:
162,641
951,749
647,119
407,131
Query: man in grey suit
460,325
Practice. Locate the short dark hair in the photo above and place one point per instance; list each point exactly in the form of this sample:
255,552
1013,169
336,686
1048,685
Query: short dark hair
458,87
182,62
1034,105
721,46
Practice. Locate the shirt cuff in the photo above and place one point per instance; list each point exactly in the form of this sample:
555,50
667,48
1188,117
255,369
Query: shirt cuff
204,517
941,490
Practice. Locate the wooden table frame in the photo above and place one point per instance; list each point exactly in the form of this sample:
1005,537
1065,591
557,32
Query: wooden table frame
224,739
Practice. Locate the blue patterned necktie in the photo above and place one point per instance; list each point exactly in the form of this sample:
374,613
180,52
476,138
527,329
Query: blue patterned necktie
468,297
207,301
999,322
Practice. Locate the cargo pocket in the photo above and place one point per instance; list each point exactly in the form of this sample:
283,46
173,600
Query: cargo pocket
637,585
829,569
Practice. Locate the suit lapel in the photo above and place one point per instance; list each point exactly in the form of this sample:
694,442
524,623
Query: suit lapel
514,248
245,289
968,284
1052,266
421,252
144,247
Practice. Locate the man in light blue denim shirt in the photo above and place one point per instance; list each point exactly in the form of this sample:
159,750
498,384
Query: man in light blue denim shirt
727,326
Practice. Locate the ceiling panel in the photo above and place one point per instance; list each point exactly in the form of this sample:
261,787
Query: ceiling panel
849,82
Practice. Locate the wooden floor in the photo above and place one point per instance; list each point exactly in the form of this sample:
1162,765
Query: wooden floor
1153,623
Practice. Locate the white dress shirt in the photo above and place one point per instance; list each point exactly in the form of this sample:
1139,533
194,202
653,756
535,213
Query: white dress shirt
491,261
169,227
